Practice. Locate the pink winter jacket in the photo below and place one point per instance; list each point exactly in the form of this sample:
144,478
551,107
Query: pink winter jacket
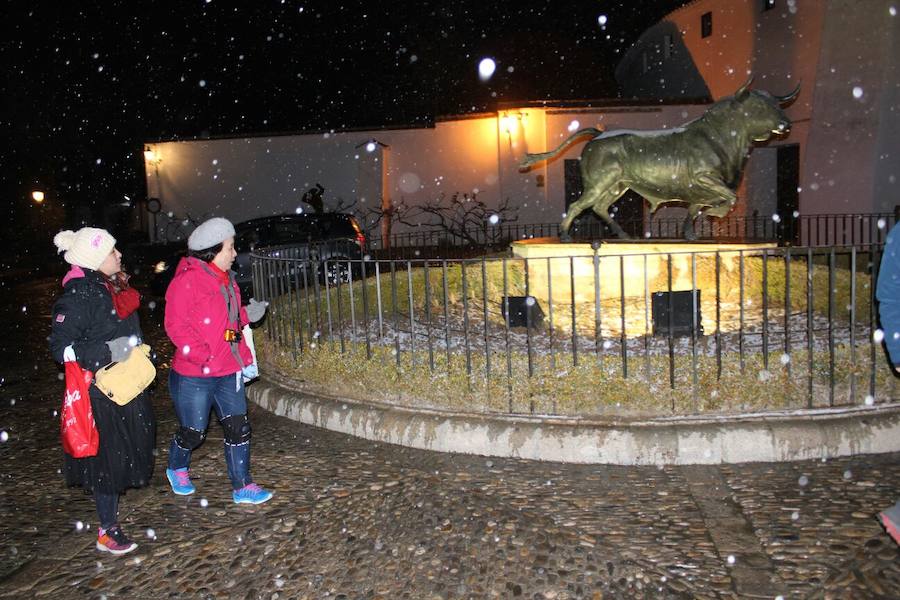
196,320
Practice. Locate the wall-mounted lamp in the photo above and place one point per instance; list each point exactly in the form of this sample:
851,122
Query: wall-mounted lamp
37,196
151,156
511,123
506,124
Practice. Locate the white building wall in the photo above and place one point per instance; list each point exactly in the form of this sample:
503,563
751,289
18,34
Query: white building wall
250,177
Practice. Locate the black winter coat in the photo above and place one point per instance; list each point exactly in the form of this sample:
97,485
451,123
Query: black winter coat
84,317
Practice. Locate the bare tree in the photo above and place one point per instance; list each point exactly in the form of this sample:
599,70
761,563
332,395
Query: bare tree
344,206
466,217
379,220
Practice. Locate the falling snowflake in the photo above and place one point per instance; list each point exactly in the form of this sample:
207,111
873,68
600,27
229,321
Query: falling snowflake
486,68
857,92
803,481
5,436
204,502
878,336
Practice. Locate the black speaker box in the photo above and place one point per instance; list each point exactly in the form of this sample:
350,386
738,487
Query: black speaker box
682,303
524,311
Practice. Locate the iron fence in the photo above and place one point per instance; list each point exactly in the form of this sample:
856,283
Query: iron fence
730,330
799,231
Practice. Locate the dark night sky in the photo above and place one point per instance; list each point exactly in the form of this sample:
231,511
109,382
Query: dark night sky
86,82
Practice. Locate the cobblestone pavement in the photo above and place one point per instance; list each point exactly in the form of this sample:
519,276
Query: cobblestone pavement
357,519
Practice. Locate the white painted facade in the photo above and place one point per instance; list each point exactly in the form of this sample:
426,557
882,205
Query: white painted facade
242,178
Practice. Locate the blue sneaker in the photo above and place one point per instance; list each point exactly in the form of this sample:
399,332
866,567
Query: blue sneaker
180,481
251,494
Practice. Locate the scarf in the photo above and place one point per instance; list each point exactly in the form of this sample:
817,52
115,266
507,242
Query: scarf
222,275
226,286
125,298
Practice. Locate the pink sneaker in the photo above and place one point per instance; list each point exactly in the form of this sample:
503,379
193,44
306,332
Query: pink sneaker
114,541
890,519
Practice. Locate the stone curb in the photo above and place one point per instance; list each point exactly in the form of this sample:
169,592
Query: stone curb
759,437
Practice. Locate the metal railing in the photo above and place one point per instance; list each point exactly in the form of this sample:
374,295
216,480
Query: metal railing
803,230
724,331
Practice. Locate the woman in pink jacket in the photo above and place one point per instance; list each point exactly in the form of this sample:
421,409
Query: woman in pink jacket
204,318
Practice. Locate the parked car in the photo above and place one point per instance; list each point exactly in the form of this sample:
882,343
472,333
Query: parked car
330,241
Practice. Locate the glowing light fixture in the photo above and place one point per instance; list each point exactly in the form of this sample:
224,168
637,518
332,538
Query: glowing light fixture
506,124
150,155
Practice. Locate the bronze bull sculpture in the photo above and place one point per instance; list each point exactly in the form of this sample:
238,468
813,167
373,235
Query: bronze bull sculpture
699,163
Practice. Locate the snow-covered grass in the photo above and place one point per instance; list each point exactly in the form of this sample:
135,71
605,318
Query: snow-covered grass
452,348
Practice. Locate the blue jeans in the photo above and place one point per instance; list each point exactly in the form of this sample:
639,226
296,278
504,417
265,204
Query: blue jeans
193,398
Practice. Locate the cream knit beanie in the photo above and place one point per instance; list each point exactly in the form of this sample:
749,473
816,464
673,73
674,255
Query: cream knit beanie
88,247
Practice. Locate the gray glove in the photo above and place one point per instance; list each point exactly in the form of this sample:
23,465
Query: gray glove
256,310
120,348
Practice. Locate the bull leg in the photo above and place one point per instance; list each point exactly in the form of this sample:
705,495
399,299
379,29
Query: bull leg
720,210
714,187
601,209
727,196
588,197
694,211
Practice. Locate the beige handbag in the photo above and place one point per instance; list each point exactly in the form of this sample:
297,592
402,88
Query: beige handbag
121,382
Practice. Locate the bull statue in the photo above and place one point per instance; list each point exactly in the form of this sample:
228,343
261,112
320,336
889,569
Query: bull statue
699,163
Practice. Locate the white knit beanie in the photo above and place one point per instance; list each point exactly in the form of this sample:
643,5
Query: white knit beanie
209,233
88,247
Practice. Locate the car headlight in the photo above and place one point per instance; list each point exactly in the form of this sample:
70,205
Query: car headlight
160,267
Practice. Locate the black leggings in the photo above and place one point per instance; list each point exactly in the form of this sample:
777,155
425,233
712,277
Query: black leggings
107,508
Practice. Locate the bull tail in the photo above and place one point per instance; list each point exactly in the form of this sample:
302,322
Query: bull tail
532,159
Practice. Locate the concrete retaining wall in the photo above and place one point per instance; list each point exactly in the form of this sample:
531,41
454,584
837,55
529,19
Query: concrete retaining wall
762,437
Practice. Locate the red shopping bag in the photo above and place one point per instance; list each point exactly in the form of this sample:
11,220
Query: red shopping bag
78,430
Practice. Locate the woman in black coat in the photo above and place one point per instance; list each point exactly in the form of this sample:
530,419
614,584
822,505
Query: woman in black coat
95,322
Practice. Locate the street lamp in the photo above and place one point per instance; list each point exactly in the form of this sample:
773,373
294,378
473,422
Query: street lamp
151,157
37,196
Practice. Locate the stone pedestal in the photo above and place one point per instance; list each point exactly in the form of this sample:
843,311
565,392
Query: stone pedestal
555,268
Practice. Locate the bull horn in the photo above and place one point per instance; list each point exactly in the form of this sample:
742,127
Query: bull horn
789,97
743,89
